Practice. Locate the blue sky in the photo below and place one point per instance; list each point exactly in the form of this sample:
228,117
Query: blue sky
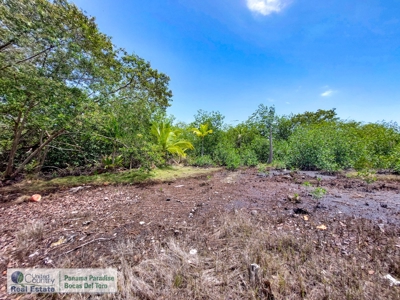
299,55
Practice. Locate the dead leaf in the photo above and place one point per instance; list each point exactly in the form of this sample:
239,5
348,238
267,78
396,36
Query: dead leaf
59,242
322,227
305,218
371,272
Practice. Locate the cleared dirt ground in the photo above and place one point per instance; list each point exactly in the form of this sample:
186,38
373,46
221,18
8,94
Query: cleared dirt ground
336,247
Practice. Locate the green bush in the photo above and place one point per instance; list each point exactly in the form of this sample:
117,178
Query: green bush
221,152
203,161
232,160
260,146
325,147
249,158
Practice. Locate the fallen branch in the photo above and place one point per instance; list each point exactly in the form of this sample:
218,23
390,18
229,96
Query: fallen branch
85,244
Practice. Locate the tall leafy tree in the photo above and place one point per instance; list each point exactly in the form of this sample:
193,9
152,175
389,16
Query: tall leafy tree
56,68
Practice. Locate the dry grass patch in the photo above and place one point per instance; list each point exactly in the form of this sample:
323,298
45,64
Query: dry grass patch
209,259
298,260
27,238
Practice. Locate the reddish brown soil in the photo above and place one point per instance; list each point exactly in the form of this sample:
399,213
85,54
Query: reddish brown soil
154,212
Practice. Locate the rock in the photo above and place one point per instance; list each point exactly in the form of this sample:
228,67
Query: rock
294,198
106,198
48,261
193,251
254,212
384,205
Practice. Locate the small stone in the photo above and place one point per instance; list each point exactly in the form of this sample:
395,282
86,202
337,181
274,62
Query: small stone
366,204
384,205
141,223
190,215
193,252
47,261
106,198
254,212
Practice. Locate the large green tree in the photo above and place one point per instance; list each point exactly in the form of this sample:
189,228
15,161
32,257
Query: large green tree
56,69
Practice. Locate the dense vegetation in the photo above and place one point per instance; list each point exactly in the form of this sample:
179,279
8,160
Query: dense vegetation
71,100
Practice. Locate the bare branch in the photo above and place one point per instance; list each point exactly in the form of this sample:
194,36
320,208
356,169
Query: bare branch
3,47
29,58
92,241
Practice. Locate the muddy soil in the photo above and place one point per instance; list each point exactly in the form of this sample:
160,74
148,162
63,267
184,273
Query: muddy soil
103,215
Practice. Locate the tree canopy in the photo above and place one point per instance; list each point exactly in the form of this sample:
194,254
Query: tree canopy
56,69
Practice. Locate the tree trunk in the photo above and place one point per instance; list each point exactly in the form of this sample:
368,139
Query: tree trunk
34,153
19,126
42,159
271,152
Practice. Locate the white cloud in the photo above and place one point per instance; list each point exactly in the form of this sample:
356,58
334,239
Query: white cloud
327,93
266,7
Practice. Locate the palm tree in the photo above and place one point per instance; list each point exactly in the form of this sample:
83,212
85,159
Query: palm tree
202,132
168,139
